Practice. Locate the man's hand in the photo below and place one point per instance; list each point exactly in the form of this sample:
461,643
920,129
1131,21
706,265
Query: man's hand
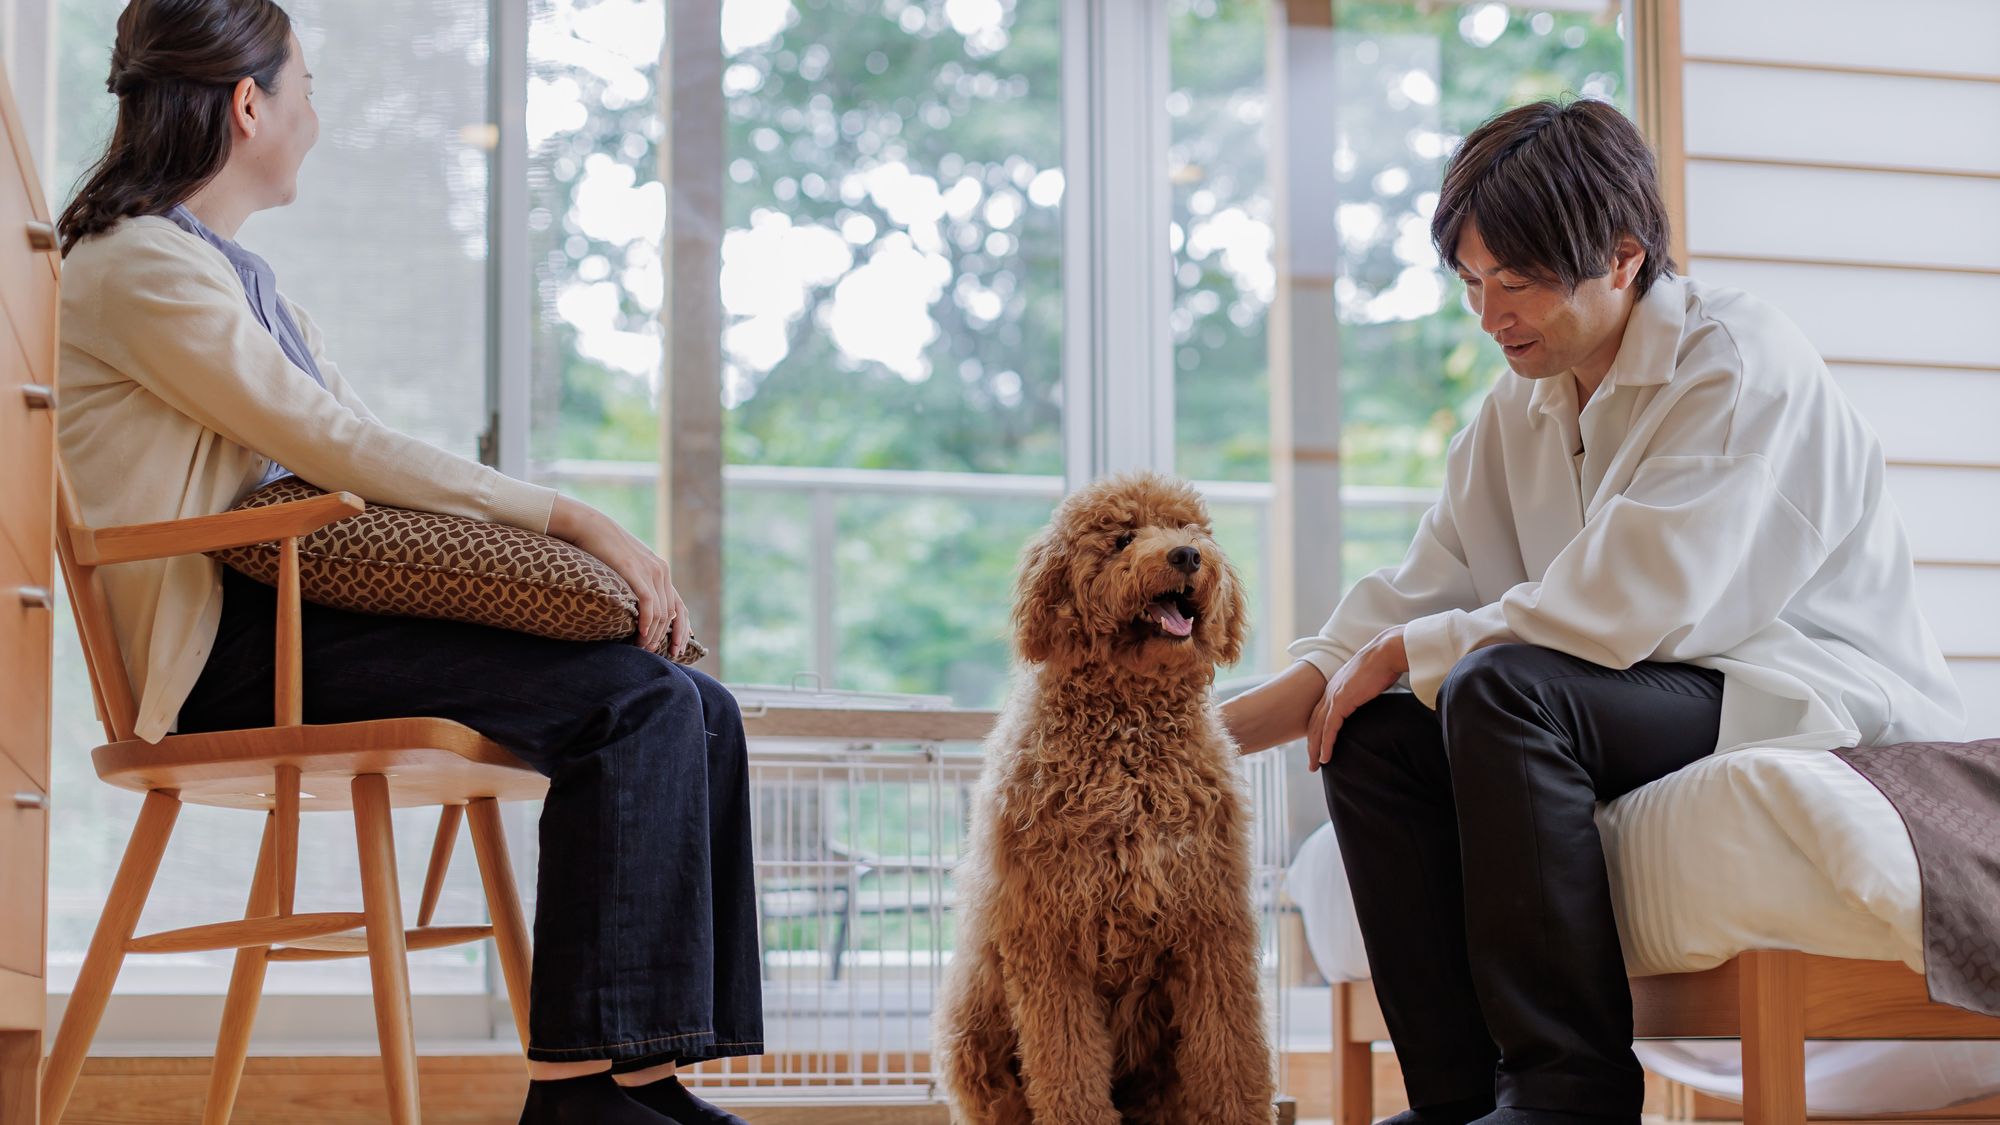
1274,712
661,610
1369,673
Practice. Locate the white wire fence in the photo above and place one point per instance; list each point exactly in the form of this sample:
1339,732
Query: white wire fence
856,843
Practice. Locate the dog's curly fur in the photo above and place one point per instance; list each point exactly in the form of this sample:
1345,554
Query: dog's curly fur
1107,950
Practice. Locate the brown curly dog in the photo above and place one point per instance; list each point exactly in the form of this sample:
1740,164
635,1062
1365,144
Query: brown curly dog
1107,950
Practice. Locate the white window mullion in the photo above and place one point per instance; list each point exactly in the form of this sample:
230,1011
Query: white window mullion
27,47
1305,352
510,284
1118,388
510,297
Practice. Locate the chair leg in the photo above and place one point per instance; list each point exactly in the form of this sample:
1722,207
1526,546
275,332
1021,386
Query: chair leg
107,949
1353,1062
246,987
388,960
441,849
1771,988
503,905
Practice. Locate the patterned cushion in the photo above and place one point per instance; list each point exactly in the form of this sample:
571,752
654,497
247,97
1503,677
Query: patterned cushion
401,563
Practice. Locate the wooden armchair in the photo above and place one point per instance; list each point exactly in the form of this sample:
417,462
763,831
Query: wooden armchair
286,769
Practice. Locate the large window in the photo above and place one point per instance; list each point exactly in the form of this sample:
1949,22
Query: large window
896,294
596,217
1412,79
1221,241
891,284
891,291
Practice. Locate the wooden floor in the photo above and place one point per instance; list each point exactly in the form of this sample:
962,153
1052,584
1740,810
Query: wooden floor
347,1090
481,1089
487,1090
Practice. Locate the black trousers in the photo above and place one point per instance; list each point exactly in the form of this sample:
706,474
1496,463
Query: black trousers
645,915
1479,880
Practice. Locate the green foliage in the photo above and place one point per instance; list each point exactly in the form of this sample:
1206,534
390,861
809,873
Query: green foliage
1218,164
853,85
1408,385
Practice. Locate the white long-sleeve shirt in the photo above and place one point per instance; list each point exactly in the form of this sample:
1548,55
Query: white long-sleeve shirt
1727,511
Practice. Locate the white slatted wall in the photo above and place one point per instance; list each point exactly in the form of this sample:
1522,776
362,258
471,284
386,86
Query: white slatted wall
1843,162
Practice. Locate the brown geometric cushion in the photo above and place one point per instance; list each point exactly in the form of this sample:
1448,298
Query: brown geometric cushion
401,563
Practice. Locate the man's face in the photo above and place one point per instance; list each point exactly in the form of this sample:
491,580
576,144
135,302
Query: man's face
1542,330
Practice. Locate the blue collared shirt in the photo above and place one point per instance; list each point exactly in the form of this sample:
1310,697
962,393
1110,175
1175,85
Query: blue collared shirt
260,286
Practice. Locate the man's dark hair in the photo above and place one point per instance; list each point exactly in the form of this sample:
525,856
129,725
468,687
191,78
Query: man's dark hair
1552,186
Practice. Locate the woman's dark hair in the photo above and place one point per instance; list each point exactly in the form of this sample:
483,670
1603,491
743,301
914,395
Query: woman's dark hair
1552,186
174,68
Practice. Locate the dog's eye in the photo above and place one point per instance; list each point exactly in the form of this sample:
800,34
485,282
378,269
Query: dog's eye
1123,542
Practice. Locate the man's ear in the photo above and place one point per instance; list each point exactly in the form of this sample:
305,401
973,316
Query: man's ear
243,107
1627,255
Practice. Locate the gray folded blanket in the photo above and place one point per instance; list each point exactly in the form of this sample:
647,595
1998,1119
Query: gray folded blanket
1948,794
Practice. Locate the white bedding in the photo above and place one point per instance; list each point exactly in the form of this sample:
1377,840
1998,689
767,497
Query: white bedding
1761,849
1755,849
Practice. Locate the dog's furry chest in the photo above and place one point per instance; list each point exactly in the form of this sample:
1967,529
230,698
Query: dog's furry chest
1125,849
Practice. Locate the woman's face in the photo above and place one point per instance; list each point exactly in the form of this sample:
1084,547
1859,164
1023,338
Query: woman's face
277,132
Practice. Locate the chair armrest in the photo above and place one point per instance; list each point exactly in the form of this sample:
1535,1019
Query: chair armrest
103,546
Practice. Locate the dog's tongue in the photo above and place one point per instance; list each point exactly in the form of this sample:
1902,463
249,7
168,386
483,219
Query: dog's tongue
1170,618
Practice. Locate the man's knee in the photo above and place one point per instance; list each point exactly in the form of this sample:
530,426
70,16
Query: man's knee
1383,735
1497,677
1494,706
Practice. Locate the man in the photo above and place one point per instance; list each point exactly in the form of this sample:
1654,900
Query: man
1664,536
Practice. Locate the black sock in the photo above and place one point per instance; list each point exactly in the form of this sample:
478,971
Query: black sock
593,1099
1444,1113
668,1096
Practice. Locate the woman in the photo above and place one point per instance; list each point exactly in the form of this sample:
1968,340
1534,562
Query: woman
187,381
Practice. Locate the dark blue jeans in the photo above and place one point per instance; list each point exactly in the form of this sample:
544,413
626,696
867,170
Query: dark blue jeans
645,919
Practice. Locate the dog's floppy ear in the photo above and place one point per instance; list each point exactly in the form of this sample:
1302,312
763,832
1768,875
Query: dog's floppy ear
1235,614
1044,620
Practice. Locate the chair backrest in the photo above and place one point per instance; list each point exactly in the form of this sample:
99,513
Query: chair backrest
116,707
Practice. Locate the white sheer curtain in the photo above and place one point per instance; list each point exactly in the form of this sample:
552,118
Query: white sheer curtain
386,247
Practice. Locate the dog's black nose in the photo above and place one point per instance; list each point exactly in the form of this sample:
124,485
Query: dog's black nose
1187,560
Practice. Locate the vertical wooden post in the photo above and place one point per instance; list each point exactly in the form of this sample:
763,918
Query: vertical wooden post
107,949
449,817
1660,106
503,905
388,957
285,823
1353,1062
691,158
1304,328
246,988
289,706
20,1059
1772,994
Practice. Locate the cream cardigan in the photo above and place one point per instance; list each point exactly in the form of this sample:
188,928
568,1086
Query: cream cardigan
172,399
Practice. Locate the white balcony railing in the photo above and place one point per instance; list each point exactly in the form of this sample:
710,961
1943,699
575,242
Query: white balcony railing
856,842
824,488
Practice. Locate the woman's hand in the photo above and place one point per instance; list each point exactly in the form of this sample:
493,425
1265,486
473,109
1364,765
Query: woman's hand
661,611
1369,673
